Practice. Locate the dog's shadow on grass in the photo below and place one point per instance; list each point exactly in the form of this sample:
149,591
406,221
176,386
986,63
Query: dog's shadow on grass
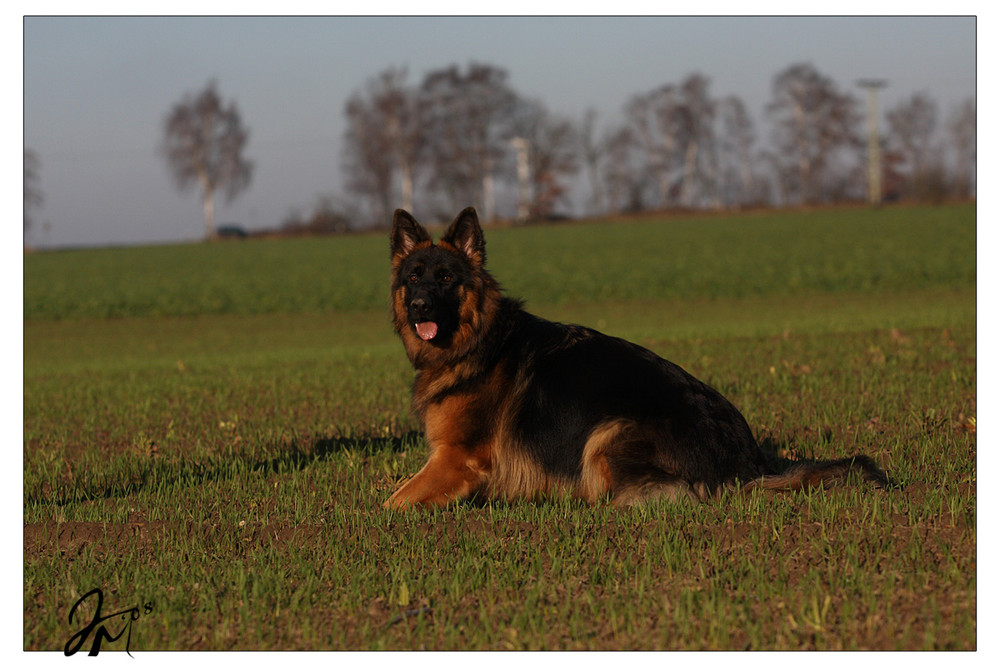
285,457
184,472
304,453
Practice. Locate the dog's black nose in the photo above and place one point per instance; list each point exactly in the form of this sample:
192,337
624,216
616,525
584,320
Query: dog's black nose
420,307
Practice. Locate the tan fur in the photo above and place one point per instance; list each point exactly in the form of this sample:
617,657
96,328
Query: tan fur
595,478
451,473
398,258
475,257
515,476
640,495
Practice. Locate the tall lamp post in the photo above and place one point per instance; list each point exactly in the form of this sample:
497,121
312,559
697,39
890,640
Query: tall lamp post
874,158
522,146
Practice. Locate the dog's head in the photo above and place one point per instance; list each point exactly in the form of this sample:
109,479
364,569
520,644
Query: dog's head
433,285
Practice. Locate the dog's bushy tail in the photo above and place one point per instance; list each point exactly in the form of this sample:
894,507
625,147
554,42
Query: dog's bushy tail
826,473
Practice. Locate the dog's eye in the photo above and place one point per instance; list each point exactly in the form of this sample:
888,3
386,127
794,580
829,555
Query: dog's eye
414,278
446,278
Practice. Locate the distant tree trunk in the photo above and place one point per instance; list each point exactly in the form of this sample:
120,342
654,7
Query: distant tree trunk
547,148
656,151
746,172
690,164
963,137
736,165
664,189
406,185
488,199
209,208
592,158
32,193
804,161
619,176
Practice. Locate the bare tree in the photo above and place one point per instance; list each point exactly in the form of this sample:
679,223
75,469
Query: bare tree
963,139
204,145
552,156
32,191
624,179
468,124
694,120
814,121
911,131
384,142
673,126
782,174
737,145
369,158
652,122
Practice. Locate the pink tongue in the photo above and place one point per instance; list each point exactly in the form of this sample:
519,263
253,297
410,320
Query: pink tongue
427,330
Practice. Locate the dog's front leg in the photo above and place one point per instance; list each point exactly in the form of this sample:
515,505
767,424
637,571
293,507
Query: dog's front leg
450,474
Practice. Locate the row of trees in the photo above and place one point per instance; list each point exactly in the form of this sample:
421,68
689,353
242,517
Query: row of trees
460,136
467,136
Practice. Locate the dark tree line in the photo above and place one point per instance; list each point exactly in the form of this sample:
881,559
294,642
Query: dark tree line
467,136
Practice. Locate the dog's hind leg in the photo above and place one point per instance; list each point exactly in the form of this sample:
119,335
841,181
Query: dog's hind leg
618,460
656,486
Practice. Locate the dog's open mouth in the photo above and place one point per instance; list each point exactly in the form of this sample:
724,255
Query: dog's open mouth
427,330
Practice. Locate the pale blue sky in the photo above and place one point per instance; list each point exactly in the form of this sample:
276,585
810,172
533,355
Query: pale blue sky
96,91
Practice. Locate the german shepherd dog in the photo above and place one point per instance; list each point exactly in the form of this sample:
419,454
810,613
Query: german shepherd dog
517,407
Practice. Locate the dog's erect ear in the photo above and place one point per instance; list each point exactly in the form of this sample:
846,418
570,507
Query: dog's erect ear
406,233
466,236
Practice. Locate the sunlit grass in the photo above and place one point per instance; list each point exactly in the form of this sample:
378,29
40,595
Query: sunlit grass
229,468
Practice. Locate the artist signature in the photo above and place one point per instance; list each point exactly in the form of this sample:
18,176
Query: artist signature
98,625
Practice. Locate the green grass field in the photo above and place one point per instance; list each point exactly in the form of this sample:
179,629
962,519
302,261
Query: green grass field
210,429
